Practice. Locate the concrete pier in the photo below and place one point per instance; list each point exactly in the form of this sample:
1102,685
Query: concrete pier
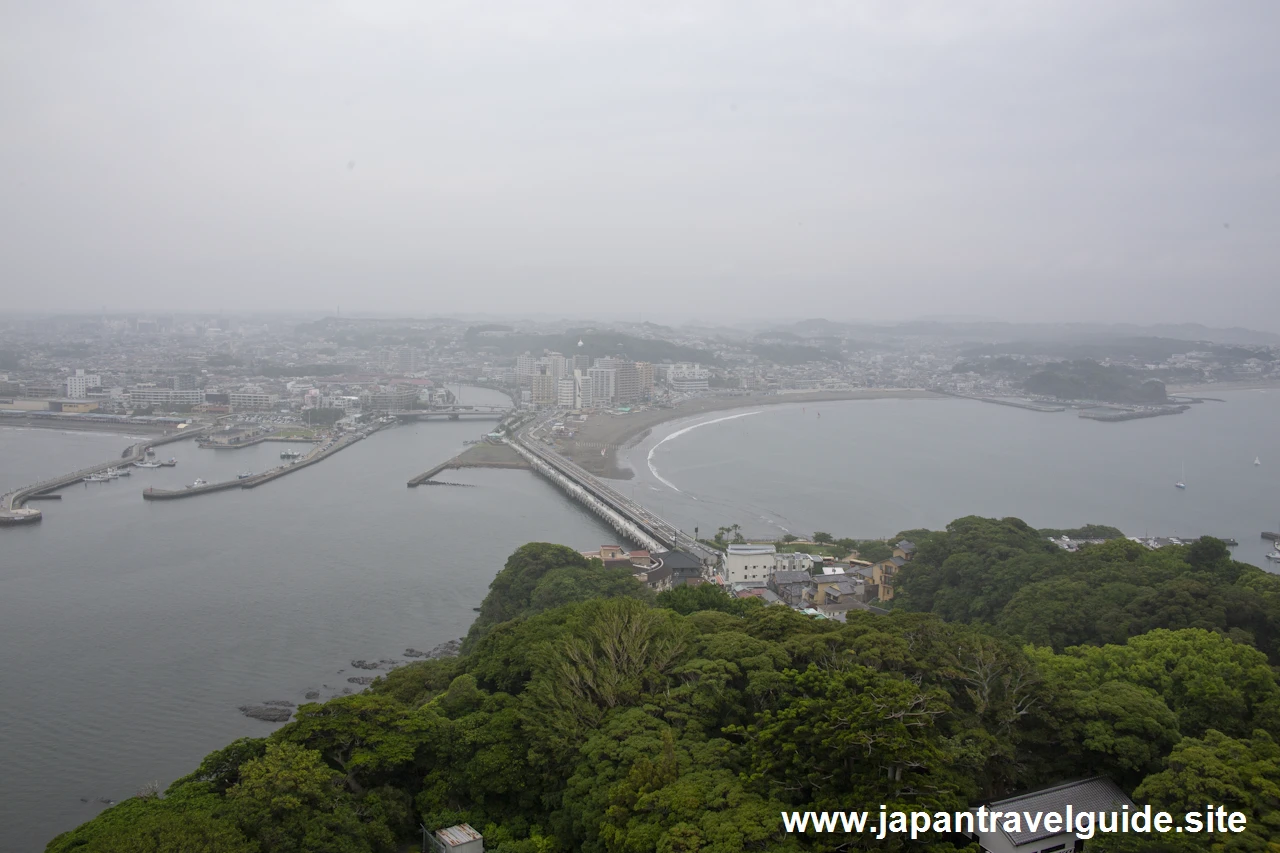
316,455
12,505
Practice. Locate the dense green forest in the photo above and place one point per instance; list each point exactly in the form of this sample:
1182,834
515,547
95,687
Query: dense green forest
584,714
1088,380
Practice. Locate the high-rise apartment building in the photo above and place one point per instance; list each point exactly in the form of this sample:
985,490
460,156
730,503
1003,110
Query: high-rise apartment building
402,359
566,397
78,385
644,371
557,363
604,383
582,396
525,365
545,388
581,362
626,379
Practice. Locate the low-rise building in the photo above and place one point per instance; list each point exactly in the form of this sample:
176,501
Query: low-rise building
1095,795
790,586
748,563
883,575
249,400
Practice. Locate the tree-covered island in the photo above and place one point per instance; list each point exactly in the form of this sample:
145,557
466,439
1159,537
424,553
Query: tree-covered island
584,714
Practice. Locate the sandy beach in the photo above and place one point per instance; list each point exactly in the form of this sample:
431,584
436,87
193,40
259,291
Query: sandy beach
612,432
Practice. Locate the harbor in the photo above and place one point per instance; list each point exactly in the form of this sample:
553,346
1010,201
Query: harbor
252,481
13,509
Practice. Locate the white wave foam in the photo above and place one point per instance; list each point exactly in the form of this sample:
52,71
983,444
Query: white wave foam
680,432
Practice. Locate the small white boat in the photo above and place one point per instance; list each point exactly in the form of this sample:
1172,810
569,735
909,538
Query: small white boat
1274,556
1181,484
198,483
244,475
97,478
146,465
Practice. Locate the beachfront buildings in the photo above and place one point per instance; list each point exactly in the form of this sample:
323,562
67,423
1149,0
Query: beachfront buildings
748,563
79,383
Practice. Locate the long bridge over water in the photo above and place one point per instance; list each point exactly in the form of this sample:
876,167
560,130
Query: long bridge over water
453,413
624,515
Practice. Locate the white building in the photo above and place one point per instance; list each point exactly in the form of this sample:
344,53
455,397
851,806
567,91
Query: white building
251,400
793,562
686,377
582,396
749,563
79,384
603,385
524,369
150,396
566,398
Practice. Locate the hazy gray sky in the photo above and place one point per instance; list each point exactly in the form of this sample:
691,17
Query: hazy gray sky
1018,160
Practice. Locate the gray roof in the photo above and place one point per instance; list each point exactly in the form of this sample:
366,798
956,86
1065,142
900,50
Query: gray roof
907,545
1098,794
791,576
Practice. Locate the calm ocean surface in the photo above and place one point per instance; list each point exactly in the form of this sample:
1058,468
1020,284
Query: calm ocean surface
871,468
132,630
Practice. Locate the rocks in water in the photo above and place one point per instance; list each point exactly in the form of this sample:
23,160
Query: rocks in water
268,713
106,801
312,694
280,703
361,679
346,691
366,664
444,650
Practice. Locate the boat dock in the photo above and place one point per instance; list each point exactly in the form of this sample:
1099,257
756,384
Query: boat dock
1273,537
316,455
13,509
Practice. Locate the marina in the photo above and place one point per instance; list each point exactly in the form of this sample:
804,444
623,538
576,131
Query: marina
12,505
250,481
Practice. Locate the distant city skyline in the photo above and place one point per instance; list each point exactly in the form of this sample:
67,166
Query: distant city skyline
1023,162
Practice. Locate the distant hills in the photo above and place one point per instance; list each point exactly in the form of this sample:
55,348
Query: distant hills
994,331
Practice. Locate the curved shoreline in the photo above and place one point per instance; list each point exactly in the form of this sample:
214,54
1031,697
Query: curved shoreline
611,433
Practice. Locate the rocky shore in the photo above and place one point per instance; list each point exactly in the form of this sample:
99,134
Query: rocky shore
281,710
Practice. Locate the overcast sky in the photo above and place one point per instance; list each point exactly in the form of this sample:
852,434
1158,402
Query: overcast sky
1014,160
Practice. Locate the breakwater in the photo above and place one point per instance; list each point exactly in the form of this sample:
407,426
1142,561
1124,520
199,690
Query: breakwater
1112,417
316,455
483,455
1029,405
12,505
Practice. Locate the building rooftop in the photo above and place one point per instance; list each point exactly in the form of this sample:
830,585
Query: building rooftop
751,550
1096,794
455,836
